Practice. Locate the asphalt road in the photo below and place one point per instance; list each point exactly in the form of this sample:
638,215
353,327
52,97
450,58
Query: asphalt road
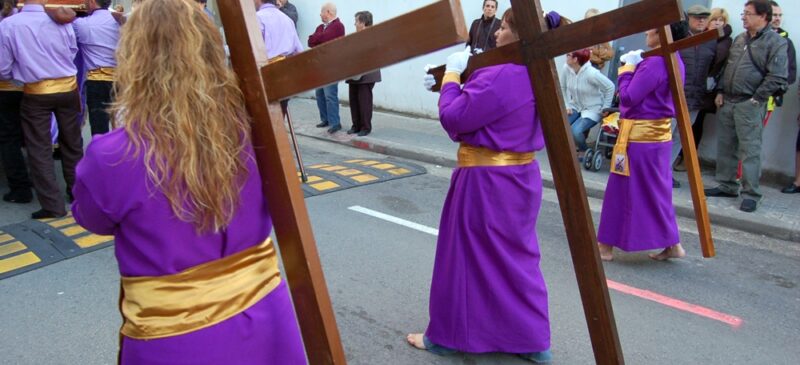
379,272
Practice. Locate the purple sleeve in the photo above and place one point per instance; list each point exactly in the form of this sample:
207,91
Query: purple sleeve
469,109
6,59
86,210
634,87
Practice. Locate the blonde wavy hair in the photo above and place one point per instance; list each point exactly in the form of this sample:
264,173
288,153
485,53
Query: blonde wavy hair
183,110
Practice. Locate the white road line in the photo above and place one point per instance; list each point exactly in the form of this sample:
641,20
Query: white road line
396,220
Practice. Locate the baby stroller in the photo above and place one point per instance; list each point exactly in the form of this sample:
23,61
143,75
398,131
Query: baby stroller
604,143
606,138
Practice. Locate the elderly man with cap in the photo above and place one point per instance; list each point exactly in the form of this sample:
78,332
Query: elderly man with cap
697,60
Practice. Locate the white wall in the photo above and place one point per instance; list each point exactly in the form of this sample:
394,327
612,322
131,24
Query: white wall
401,89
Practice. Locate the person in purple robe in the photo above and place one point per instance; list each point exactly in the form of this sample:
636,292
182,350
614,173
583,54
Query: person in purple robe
178,187
487,292
638,213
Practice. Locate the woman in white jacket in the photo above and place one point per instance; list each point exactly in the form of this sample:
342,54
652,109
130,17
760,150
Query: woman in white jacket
586,92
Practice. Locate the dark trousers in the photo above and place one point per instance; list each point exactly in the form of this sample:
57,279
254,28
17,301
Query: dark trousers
36,111
98,99
361,106
11,142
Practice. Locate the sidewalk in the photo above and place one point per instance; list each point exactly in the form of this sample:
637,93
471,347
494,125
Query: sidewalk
422,139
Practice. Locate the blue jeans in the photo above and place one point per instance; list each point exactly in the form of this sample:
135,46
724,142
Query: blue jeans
579,126
328,104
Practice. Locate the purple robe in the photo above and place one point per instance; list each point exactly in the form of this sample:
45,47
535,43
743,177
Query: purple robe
488,293
113,196
638,213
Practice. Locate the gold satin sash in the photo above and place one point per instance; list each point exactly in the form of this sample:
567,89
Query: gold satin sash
451,77
199,297
471,156
9,85
276,59
641,131
51,86
101,74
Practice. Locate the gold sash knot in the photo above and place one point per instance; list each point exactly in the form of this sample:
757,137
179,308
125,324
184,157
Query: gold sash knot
471,156
640,131
198,297
52,86
101,74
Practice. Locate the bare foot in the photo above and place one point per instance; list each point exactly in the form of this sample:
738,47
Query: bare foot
415,339
671,252
606,252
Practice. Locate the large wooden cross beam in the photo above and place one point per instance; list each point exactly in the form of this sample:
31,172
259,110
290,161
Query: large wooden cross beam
431,28
609,26
667,50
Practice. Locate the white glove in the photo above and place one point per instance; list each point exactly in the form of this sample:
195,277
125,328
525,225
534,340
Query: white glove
457,62
632,58
428,81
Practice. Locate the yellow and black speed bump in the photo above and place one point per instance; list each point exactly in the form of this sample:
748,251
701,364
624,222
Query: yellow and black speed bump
35,243
329,177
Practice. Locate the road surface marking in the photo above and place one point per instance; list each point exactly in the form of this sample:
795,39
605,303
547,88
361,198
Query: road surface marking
728,319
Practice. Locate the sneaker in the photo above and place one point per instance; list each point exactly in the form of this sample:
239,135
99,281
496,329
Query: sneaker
748,205
352,131
363,133
322,125
334,129
791,189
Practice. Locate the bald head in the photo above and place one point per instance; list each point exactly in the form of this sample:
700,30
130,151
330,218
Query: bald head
328,12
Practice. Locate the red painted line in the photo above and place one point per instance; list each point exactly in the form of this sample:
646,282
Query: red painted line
733,321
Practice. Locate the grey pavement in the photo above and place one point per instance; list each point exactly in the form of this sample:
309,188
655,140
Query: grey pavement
423,139
378,275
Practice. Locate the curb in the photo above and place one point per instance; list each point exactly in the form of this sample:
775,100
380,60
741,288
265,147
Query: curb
755,226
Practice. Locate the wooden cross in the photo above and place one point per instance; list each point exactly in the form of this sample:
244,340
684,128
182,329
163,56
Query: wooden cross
667,50
512,53
536,49
428,29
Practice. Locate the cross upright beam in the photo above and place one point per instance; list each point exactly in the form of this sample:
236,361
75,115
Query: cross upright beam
281,188
434,27
667,50
569,183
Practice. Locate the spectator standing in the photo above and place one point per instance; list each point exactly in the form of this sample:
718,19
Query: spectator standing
601,53
289,9
11,157
794,187
361,88
482,30
717,19
97,36
586,93
697,61
777,20
328,96
37,51
756,69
